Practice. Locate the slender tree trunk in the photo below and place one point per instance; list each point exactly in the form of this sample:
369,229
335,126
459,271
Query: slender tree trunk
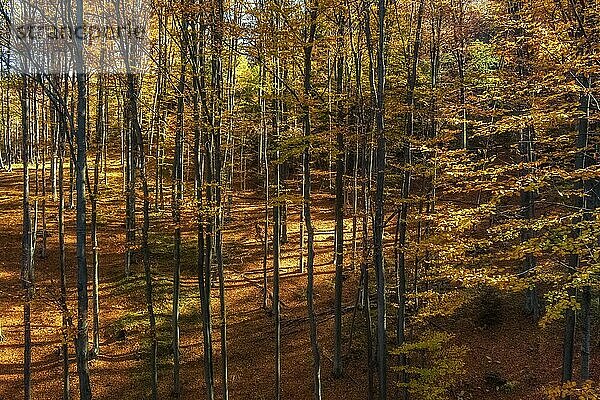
71,181
27,241
94,227
532,304
569,336
7,126
132,94
176,198
265,155
527,156
85,392
44,151
586,303
203,265
458,16
379,205
130,178
205,222
276,303
308,48
369,324
277,222
587,204
158,107
582,160
406,187
217,83
66,323
339,203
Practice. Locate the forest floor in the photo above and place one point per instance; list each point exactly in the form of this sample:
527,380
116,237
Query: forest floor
525,355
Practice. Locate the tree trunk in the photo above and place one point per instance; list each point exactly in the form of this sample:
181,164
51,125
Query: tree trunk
94,227
217,86
204,279
532,304
85,392
276,303
277,227
27,242
586,303
265,155
133,93
61,244
379,205
587,203
582,160
204,170
308,48
176,198
339,204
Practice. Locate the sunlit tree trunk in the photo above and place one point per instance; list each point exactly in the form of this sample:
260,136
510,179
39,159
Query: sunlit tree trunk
277,219
27,240
62,131
133,94
94,226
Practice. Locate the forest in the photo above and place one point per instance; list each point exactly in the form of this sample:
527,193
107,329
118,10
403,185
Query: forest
299,199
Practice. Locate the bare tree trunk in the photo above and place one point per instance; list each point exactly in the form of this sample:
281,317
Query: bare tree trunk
71,181
94,227
569,336
217,86
130,178
204,171
85,392
133,94
44,151
277,222
276,303
527,156
308,48
458,17
406,187
582,160
265,155
532,304
379,264
339,202
204,279
27,241
158,107
61,244
369,324
586,302
176,198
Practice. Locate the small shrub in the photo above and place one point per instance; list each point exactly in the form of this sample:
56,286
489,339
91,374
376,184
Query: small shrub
434,366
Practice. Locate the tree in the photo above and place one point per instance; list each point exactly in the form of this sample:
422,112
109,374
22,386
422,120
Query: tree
28,244
339,198
310,32
85,392
378,251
